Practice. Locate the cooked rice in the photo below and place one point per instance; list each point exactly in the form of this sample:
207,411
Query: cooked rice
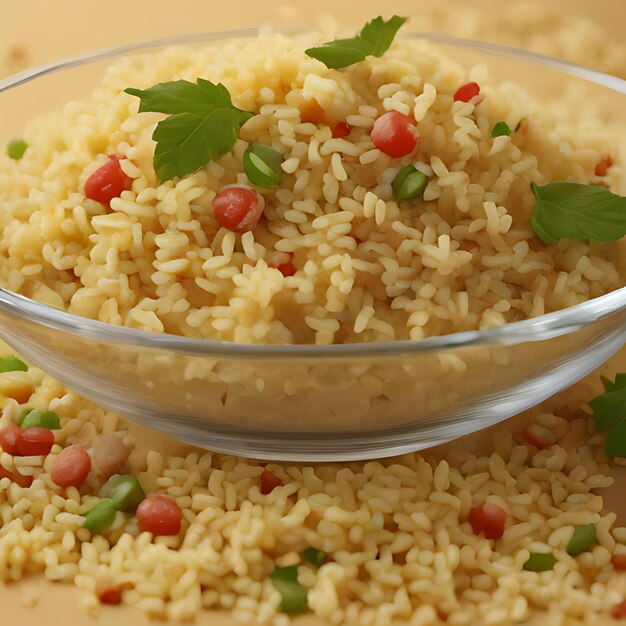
368,268
400,548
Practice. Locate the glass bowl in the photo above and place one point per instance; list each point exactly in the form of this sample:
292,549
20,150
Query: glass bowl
321,403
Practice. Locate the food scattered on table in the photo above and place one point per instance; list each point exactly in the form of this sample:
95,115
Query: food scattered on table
354,190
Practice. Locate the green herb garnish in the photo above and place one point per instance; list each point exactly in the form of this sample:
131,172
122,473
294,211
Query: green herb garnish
501,129
576,211
609,413
11,363
262,165
293,596
540,562
409,183
582,538
315,557
374,39
202,125
100,517
47,419
16,149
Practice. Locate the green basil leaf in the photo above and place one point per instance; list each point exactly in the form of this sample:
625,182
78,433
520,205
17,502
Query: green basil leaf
500,129
262,165
340,53
293,596
203,124
582,538
610,407
315,557
616,441
380,34
11,363
409,183
540,562
575,211
375,38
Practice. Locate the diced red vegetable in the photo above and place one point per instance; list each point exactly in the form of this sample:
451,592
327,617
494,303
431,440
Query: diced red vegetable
9,436
71,467
395,134
16,477
342,129
287,269
269,481
238,208
466,92
35,441
107,182
619,562
619,611
603,166
111,595
159,515
532,439
489,519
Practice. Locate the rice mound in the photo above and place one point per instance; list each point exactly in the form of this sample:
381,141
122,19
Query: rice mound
368,268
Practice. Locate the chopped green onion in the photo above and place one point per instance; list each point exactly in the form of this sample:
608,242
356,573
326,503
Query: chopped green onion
47,419
409,183
315,557
100,517
293,596
16,149
11,363
262,165
582,538
124,491
500,129
540,562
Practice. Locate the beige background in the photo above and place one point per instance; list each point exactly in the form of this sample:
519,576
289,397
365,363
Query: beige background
51,29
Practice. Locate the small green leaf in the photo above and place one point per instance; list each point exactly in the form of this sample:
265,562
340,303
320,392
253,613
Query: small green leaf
262,165
315,557
575,211
16,149
202,126
11,363
609,408
293,596
616,441
380,34
409,183
500,129
375,38
582,538
340,53
540,562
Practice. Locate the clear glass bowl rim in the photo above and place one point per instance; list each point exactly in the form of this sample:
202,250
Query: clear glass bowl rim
535,329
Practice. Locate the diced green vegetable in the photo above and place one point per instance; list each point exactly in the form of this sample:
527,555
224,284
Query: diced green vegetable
100,517
609,413
499,129
125,492
293,596
409,183
315,557
540,562
582,538
16,149
262,165
47,419
11,363
575,211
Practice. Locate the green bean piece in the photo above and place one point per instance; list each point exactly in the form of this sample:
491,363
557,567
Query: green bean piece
100,517
540,562
582,538
47,419
16,149
409,183
315,557
127,494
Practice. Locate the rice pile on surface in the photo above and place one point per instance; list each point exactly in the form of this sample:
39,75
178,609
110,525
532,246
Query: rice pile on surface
400,548
368,269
